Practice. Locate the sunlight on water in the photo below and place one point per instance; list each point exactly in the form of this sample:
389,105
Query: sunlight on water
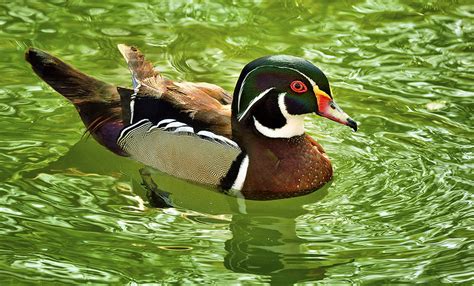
399,210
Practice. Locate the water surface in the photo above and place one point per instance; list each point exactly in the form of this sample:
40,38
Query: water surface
400,207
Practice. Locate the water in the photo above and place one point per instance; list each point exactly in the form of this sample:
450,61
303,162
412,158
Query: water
399,209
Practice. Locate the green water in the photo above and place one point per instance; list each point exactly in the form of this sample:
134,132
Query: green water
400,207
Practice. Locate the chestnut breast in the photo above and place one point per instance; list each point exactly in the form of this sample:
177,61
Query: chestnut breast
280,168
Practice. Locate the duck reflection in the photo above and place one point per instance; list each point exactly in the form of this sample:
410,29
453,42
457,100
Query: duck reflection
265,245
264,239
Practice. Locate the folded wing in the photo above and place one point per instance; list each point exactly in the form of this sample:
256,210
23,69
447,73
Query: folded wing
200,105
175,148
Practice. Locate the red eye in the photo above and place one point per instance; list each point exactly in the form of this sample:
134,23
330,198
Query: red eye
298,86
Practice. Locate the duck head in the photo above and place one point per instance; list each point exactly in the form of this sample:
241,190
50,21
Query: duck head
274,93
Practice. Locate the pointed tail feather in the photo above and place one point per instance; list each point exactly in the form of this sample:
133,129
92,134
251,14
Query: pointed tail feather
98,103
145,78
137,64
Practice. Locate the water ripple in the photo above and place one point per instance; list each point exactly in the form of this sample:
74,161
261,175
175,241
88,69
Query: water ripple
399,209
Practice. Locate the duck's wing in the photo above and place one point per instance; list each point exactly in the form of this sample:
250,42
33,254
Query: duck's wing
177,149
202,106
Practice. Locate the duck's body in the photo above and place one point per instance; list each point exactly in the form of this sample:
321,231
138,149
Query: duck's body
252,144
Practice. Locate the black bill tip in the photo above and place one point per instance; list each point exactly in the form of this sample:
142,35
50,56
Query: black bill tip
352,124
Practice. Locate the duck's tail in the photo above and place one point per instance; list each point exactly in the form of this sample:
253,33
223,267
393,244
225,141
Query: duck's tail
98,103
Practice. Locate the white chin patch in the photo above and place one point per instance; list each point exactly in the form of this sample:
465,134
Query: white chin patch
294,123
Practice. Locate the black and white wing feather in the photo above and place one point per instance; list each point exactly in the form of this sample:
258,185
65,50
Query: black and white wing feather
175,148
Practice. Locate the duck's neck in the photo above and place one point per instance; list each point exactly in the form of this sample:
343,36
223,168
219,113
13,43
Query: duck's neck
294,127
273,120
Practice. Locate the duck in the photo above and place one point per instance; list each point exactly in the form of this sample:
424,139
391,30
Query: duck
251,144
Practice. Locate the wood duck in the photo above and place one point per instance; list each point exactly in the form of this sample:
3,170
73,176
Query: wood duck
251,145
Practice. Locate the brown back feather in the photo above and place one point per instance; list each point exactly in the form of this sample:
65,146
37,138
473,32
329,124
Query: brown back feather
203,102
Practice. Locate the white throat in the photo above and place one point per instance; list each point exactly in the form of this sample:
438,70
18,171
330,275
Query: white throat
294,123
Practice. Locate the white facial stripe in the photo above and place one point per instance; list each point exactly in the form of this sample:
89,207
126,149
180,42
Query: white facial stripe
294,123
245,78
307,77
240,88
255,100
240,179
